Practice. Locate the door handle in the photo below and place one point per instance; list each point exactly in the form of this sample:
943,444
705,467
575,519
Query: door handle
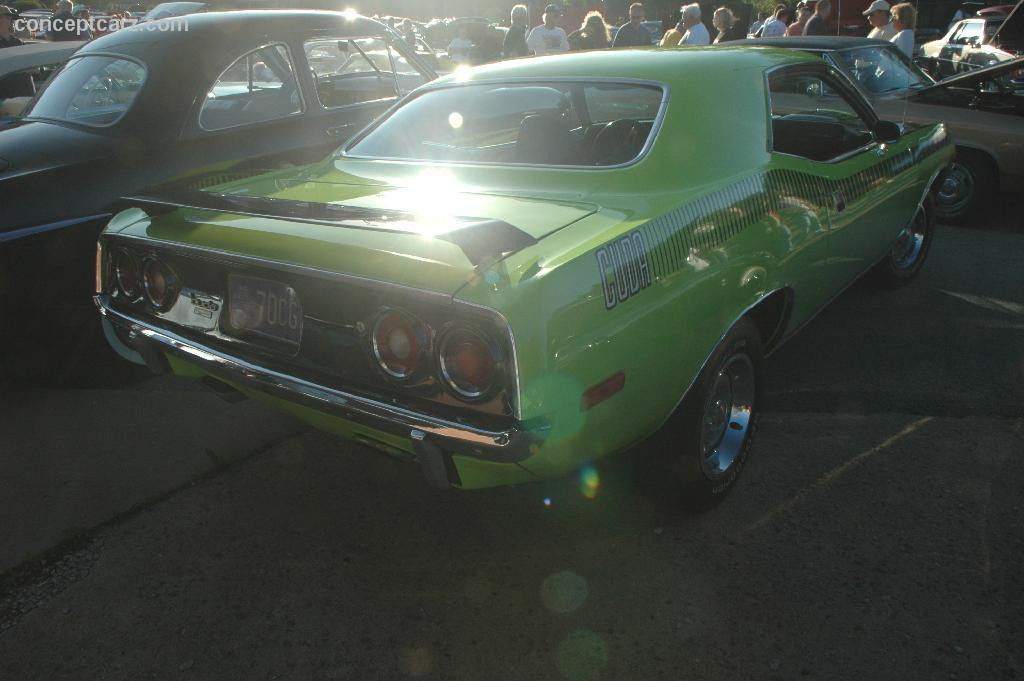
838,201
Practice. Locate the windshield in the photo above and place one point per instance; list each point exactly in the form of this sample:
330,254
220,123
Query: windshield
577,124
90,90
882,70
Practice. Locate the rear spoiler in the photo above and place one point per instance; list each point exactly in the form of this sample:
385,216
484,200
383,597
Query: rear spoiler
479,238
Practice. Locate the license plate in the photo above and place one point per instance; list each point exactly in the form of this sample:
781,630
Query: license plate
264,307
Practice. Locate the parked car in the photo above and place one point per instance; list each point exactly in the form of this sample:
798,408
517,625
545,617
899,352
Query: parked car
975,43
984,123
534,264
23,71
236,94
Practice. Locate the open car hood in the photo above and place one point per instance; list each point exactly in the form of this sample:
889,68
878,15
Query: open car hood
968,79
1010,33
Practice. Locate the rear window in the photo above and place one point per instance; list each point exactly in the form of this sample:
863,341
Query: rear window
535,123
91,90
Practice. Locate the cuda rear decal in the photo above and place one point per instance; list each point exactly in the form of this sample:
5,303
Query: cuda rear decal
624,268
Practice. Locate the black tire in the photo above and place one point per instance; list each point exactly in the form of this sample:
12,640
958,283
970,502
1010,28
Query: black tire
906,257
704,480
966,187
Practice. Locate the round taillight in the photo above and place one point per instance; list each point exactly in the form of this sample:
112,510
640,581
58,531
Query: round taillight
160,284
126,272
399,342
468,364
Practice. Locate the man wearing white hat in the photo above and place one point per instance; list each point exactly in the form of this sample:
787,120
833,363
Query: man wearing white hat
878,16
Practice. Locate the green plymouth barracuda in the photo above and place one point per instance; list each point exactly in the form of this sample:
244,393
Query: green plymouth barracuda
525,267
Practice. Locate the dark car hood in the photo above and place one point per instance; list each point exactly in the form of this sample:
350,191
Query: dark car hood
1010,34
31,146
970,78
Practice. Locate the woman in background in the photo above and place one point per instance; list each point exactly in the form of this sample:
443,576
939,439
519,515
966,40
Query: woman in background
725,21
904,17
592,35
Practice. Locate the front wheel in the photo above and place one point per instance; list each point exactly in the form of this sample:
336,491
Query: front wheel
907,255
709,435
965,188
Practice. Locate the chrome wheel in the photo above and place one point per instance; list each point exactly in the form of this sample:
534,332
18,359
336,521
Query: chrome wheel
910,243
955,191
727,415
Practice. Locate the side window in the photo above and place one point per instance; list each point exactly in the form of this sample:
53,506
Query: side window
812,118
260,86
969,32
357,70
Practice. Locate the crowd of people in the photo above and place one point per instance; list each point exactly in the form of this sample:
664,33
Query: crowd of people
810,18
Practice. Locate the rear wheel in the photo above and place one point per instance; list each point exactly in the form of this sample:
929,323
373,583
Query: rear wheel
709,435
907,256
965,188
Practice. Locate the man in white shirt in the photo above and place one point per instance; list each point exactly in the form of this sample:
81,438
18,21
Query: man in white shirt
776,26
696,32
548,38
878,16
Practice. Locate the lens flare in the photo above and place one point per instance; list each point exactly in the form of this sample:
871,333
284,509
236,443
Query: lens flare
590,481
582,655
563,592
455,120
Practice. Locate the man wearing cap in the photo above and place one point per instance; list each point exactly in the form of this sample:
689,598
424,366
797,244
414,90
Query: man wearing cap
548,38
878,16
7,37
632,34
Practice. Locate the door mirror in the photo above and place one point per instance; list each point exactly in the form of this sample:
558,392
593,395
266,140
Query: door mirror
887,131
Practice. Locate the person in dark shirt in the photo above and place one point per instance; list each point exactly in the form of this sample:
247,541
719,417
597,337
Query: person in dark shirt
515,39
633,34
816,24
7,37
592,35
62,25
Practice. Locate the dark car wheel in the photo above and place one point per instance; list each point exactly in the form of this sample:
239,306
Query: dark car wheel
709,435
908,253
965,188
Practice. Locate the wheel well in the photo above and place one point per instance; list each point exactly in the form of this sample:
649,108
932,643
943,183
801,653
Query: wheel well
980,155
771,315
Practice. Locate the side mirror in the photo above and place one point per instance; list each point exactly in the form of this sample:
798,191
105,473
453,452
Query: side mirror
887,131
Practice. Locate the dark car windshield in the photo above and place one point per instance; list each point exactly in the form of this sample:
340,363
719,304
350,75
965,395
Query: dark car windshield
537,123
91,90
882,70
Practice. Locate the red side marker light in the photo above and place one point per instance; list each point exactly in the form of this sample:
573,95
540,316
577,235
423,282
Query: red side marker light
597,394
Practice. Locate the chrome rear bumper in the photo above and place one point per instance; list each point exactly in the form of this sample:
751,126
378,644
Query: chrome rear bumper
432,439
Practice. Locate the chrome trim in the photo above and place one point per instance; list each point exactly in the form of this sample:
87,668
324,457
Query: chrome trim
509,445
49,227
429,87
436,297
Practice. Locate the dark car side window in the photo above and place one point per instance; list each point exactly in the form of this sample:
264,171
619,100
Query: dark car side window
813,118
259,86
356,70
91,90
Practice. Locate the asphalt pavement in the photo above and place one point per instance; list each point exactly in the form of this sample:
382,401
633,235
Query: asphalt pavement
154,532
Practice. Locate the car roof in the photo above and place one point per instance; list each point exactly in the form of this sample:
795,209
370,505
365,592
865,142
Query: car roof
210,30
666,64
813,42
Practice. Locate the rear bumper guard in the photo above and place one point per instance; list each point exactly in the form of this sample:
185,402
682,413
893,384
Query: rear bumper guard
433,440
